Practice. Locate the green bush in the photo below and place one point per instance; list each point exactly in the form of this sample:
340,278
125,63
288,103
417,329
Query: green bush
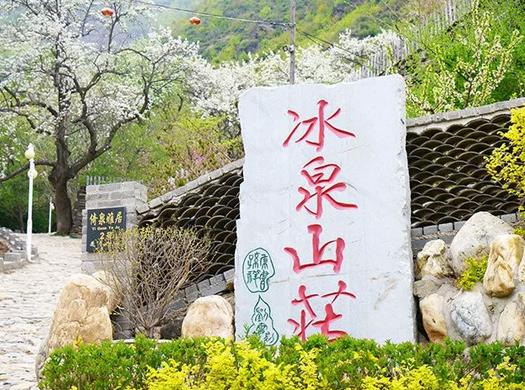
346,363
114,365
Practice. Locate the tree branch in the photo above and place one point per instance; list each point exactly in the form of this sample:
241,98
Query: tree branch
25,168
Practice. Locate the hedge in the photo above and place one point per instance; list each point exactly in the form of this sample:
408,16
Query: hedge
346,363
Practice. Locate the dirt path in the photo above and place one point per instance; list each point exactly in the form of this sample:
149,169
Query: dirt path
27,300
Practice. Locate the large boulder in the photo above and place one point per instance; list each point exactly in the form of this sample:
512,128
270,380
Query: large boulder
511,325
208,316
474,238
433,260
433,318
82,313
470,317
505,256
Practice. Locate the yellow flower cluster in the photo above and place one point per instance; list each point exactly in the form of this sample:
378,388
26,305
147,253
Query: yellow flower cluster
423,378
237,366
506,164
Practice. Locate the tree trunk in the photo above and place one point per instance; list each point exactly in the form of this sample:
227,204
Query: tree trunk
20,217
64,214
59,177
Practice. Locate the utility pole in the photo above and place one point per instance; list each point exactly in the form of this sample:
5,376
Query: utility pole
293,27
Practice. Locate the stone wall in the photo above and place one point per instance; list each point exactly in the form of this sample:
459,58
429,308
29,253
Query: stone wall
130,195
13,254
489,304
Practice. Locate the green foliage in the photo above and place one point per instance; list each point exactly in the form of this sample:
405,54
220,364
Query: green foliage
172,147
13,203
240,366
474,272
520,231
346,363
114,366
476,61
506,164
224,40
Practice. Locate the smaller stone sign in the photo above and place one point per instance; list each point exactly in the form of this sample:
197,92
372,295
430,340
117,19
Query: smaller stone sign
102,221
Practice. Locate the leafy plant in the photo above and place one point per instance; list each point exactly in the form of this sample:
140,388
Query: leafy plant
506,164
347,363
473,273
464,65
239,366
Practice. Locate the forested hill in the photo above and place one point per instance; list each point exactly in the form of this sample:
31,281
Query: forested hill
223,39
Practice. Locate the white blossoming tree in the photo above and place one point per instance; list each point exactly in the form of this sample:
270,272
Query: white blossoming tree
216,90
72,78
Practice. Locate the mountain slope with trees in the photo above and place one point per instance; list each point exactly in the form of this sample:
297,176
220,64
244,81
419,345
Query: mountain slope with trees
223,39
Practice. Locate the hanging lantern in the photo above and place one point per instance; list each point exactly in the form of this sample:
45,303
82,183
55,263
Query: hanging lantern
195,21
106,11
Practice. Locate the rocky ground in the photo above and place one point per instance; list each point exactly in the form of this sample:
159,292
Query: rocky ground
27,300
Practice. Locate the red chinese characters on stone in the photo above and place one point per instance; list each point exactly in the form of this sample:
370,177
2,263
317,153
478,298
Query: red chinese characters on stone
321,176
313,129
308,316
305,300
320,190
341,291
318,251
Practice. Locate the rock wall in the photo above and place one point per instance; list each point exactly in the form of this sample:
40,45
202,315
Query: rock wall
494,308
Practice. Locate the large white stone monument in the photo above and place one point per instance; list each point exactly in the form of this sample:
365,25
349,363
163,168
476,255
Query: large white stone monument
324,234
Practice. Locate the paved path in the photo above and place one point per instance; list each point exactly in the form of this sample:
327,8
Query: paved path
27,300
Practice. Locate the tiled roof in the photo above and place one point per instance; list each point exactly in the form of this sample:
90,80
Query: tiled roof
447,177
212,211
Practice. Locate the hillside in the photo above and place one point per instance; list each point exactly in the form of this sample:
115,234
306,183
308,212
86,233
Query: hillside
223,39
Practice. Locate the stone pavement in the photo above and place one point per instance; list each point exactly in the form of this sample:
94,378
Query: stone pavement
27,300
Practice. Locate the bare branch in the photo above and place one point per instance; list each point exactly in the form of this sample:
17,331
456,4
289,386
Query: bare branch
25,168
147,268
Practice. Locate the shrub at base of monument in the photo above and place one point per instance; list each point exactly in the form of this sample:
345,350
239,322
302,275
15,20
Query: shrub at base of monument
485,302
209,316
82,313
346,363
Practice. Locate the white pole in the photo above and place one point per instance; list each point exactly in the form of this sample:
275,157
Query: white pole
31,174
30,210
51,207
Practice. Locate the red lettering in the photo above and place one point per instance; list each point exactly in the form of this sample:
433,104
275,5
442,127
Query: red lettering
318,177
319,123
318,251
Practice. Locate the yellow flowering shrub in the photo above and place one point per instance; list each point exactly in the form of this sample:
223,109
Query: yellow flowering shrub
343,364
424,378
475,269
506,164
238,366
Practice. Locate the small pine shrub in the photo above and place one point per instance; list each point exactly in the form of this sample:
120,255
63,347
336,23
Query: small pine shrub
474,272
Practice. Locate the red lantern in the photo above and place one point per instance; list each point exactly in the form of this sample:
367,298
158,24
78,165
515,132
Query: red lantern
195,21
107,11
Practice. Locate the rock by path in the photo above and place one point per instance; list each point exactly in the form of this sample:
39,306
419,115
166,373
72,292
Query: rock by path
27,300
